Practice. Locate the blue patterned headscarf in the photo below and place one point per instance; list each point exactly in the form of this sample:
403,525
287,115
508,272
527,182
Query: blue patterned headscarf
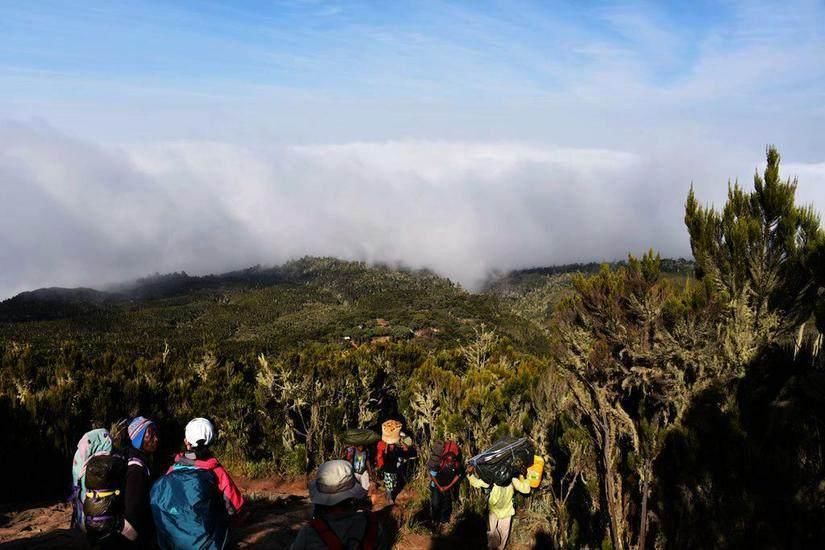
137,429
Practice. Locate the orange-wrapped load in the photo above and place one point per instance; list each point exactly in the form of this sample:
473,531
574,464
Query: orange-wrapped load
391,432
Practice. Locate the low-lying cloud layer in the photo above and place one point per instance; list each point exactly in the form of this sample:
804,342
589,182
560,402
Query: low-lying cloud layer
77,213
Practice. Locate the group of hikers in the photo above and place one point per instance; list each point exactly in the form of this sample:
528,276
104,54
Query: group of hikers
119,502
342,513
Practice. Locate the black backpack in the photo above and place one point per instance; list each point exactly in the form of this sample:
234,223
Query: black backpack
103,502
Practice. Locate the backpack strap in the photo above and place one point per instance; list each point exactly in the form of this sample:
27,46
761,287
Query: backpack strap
94,493
327,535
370,539
137,461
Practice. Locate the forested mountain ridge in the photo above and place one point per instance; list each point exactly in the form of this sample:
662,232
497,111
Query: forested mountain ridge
308,300
318,299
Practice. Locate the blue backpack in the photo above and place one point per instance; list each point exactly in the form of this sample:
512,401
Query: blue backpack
189,511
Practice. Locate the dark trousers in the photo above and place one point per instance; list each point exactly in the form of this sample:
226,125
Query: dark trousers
441,505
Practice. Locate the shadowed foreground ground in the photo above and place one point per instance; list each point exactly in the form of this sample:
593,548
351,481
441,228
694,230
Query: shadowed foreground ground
277,511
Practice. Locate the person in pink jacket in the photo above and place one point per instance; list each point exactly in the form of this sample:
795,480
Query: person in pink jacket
198,435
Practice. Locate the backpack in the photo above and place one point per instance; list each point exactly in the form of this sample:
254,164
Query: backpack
332,541
104,482
449,455
188,510
92,443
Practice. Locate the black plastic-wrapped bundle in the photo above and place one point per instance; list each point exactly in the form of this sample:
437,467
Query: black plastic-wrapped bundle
360,437
504,460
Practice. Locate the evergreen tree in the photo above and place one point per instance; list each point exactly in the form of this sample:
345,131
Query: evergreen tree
758,252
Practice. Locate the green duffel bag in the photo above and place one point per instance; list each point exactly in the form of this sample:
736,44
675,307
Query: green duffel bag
360,437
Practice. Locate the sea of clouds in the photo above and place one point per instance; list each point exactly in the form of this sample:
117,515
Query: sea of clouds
79,213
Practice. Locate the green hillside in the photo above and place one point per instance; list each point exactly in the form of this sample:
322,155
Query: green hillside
319,300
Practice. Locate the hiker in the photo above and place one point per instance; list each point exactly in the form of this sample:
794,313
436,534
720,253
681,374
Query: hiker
341,520
389,455
138,526
408,461
501,509
359,457
194,502
444,471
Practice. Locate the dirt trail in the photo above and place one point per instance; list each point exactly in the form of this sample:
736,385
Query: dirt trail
277,510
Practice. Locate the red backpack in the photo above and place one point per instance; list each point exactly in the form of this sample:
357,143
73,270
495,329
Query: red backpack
334,543
449,456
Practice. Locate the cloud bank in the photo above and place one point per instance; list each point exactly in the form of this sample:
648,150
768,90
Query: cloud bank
78,213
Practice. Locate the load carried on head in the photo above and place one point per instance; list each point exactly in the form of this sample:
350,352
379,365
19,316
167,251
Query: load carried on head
505,459
391,432
357,436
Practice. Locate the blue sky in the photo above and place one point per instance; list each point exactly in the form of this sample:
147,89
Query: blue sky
566,106
352,47
529,60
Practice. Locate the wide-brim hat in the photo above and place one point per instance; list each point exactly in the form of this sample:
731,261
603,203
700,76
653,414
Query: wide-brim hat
391,432
335,483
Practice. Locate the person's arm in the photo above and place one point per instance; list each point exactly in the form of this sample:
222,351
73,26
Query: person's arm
231,494
379,454
451,484
435,481
476,482
521,485
134,498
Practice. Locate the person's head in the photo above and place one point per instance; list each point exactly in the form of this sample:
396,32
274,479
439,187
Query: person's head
335,485
143,434
449,460
198,435
151,439
359,448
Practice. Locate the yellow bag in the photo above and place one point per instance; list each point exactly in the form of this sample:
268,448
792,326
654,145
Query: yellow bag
535,471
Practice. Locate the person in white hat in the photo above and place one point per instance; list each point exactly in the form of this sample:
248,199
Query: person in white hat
199,434
341,520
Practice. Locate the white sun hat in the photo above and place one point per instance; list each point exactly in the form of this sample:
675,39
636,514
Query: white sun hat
199,432
335,483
